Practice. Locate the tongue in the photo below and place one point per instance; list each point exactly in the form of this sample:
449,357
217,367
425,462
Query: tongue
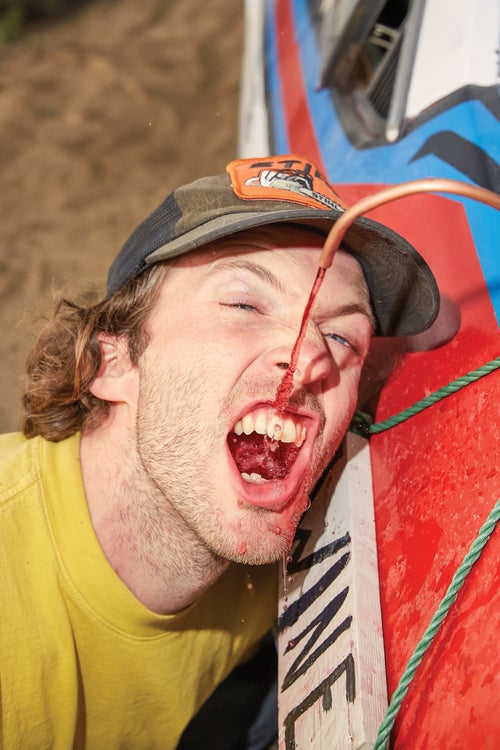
258,454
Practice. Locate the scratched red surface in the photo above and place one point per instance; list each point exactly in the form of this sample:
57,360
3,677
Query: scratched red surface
436,478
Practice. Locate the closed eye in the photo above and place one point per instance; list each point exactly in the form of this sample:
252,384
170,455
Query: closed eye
240,306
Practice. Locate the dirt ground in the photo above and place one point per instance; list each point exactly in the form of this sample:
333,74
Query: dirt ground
101,114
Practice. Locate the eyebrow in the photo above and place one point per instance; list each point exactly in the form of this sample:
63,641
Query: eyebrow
359,308
350,308
260,271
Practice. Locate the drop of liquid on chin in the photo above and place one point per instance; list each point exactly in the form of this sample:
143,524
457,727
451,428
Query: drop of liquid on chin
275,529
242,548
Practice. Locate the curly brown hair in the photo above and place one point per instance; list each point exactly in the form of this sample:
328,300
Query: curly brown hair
66,358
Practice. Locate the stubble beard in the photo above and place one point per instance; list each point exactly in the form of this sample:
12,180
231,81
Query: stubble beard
179,473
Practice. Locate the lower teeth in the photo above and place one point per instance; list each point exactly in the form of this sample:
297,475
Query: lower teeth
253,477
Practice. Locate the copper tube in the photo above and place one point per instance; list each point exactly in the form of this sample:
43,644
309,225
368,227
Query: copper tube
392,193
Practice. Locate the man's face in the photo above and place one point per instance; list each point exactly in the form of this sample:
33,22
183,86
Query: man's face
236,470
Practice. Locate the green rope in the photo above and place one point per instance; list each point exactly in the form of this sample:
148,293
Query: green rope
449,598
362,423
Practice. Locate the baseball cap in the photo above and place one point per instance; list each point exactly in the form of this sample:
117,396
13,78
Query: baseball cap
277,189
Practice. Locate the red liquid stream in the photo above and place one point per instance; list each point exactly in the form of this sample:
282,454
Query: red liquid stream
286,386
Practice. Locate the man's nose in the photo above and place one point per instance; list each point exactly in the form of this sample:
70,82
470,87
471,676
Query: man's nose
314,361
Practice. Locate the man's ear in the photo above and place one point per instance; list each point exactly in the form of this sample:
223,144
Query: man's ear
117,376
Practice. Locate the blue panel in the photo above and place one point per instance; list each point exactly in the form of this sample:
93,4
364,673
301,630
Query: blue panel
392,163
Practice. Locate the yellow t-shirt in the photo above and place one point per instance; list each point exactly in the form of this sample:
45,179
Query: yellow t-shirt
83,664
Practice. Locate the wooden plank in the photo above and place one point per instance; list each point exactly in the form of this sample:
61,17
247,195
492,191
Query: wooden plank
331,674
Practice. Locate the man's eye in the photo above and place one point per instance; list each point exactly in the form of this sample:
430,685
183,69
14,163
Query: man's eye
340,339
240,306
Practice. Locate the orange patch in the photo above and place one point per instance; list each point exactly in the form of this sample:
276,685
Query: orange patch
288,177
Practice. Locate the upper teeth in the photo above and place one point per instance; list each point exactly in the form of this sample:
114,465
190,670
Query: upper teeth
266,422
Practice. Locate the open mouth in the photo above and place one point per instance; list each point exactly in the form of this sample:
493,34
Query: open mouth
265,445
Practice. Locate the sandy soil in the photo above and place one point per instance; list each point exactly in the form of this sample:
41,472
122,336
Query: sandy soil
101,115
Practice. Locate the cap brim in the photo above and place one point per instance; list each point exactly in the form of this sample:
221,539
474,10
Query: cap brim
404,293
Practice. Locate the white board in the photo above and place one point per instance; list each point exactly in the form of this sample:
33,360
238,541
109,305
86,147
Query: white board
253,136
331,675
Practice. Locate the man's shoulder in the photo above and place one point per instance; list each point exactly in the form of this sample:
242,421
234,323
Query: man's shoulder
24,461
17,464
12,441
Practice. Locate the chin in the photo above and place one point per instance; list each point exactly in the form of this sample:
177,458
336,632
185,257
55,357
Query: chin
263,554
257,549
248,533
260,537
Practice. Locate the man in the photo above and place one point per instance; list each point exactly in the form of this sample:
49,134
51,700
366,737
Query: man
157,480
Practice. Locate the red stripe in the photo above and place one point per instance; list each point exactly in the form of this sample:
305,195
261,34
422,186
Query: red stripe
298,122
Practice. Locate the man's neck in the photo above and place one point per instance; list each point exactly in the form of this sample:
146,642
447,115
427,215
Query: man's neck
156,555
